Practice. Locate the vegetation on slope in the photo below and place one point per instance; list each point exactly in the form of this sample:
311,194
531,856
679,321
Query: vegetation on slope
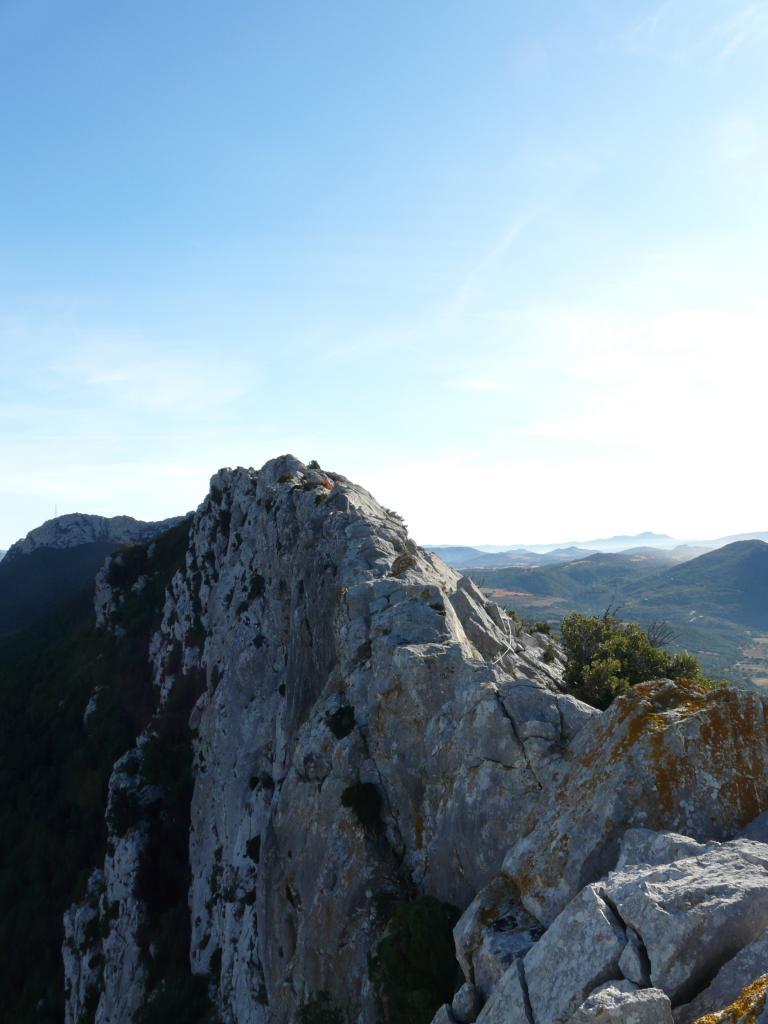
42,583
55,767
717,602
605,657
414,969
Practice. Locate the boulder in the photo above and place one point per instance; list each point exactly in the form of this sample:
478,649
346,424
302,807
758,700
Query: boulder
644,846
623,1003
667,756
466,1004
494,930
509,1002
694,914
578,952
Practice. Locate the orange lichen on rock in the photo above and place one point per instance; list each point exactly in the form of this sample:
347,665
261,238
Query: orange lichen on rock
670,755
744,1010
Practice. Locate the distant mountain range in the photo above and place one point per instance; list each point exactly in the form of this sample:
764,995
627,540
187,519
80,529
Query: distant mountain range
490,555
716,601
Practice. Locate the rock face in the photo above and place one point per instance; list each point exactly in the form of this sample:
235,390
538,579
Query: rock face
652,941
72,530
340,664
666,756
366,726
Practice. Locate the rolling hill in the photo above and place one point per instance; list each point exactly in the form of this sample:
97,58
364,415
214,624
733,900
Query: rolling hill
474,558
717,602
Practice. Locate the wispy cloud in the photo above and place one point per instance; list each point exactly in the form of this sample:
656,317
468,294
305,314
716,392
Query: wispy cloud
684,30
748,26
472,282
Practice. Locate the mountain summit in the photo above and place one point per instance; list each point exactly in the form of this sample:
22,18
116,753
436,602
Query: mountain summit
303,770
78,528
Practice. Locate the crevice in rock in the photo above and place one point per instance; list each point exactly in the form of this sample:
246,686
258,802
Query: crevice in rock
516,734
641,947
699,981
524,987
563,739
501,764
642,952
614,911
398,855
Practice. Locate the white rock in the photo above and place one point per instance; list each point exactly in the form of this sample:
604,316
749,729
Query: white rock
580,950
696,913
509,1002
633,962
466,1004
622,1003
301,597
644,846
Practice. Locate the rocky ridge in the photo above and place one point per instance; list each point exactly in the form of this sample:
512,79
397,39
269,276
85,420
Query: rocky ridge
77,528
364,727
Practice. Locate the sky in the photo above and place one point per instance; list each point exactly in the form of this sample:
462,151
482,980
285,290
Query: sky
503,264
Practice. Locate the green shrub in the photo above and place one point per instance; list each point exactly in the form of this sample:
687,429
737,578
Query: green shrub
56,768
182,999
605,657
319,1009
536,627
602,681
124,811
342,721
365,800
127,565
256,588
414,969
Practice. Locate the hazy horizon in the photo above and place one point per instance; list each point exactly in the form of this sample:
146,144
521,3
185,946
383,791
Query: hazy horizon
503,265
491,547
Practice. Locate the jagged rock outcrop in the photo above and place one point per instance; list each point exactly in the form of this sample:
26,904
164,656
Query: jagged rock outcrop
696,925
77,528
366,726
667,756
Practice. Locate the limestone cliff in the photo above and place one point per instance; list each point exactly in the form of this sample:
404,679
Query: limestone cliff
366,727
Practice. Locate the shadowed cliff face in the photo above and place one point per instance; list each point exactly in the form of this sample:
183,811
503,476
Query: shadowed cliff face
364,725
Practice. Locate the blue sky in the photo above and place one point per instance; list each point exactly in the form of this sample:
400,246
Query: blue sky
504,264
